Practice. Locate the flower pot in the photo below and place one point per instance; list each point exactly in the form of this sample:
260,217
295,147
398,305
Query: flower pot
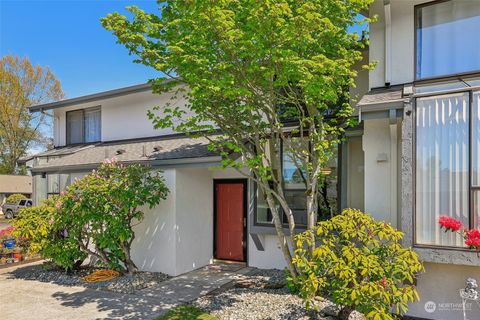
9,243
17,256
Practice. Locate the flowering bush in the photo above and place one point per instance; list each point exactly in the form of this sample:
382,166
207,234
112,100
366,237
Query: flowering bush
40,236
6,233
471,236
360,264
94,216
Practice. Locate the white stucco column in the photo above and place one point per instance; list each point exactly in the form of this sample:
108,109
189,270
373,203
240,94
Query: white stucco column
380,144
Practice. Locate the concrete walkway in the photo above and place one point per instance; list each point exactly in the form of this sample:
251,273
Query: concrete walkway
34,300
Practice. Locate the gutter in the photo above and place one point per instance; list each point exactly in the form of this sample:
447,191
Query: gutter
157,164
91,97
388,42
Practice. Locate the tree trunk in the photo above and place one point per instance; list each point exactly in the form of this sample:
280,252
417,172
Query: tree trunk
281,236
129,264
311,220
345,312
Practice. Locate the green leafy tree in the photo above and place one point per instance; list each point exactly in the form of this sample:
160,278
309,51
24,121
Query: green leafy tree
13,198
360,263
265,73
21,86
100,210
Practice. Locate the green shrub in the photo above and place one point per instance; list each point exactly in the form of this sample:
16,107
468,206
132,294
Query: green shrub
13,198
186,312
360,264
36,225
94,217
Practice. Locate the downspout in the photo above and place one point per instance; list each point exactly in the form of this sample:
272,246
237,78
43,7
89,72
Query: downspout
388,42
393,121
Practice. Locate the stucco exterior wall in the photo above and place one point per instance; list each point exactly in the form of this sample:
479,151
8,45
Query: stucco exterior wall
194,219
154,247
381,171
402,42
270,258
439,286
123,117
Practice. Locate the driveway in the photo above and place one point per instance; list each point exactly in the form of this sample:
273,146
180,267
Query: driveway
34,300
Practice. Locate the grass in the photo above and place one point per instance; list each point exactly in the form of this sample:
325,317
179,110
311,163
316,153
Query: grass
186,312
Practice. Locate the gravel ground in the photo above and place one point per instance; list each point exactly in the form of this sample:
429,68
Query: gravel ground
263,295
122,284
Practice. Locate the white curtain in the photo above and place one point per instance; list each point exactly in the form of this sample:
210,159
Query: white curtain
75,126
476,152
442,183
92,125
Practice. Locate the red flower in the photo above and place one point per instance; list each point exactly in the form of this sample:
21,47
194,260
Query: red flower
473,233
473,243
472,238
449,223
383,282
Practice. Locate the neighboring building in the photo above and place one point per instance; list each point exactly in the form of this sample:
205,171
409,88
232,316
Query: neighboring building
10,184
415,156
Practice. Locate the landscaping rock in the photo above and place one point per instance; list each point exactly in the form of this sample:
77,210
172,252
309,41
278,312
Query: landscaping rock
262,294
122,284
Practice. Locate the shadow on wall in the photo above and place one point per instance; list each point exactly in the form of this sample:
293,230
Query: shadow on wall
152,249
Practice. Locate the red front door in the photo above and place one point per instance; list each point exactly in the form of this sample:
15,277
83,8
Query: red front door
229,233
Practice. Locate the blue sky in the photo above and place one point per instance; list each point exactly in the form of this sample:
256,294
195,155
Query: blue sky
66,35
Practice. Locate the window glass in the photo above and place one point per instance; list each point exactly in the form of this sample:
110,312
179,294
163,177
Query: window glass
53,186
294,190
442,166
476,204
92,125
293,176
297,200
75,127
22,202
40,188
84,126
264,215
447,38
476,139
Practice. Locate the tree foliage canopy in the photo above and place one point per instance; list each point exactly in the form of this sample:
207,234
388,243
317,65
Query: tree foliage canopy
22,85
260,71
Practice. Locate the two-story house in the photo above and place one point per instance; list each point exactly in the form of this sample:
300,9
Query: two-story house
415,157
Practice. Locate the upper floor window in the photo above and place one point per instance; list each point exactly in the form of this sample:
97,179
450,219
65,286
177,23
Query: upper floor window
447,40
84,125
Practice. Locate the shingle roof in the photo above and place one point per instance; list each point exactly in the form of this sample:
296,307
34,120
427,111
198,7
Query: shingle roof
382,95
15,184
150,149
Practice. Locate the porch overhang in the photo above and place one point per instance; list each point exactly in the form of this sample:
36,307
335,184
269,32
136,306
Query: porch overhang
378,103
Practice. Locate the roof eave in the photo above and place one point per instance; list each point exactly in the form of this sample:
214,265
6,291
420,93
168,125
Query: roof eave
91,97
167,163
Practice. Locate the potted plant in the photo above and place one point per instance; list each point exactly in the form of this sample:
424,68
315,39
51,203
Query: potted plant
7,238
17,255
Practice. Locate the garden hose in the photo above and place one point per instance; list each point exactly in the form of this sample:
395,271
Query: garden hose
101,275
